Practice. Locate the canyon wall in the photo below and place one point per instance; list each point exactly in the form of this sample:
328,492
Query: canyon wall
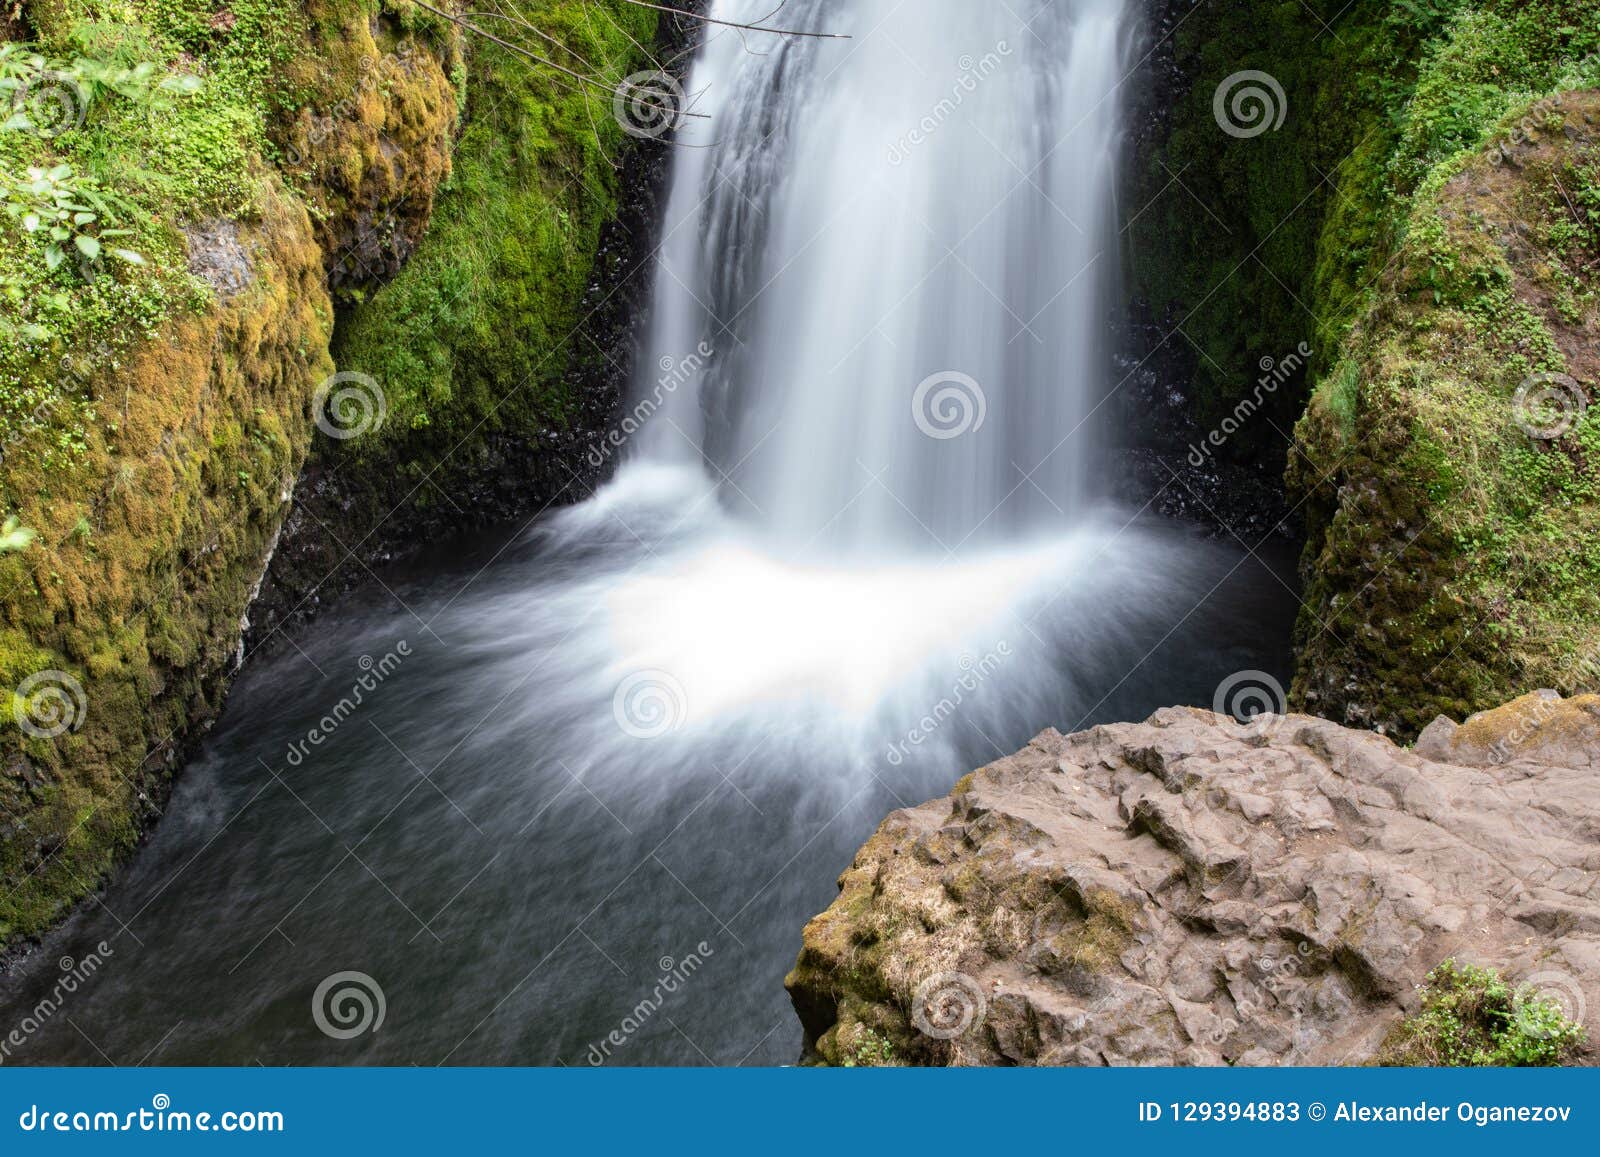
325,214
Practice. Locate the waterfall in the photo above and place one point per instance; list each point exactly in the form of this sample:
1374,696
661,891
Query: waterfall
900,252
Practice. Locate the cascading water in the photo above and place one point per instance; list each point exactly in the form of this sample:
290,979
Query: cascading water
856,550
899,248
879,307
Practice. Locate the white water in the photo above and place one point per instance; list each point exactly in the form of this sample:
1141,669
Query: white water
879,316
670,717
931,199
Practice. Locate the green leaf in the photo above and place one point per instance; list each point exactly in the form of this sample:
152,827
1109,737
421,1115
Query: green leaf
53,257
87,246
14,536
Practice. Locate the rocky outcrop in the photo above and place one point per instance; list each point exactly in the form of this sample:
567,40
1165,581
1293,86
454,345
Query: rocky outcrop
1195,891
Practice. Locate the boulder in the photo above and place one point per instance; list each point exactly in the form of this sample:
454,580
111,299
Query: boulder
1192,890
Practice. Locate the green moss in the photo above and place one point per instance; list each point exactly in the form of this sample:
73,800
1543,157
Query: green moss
1471,1017
470,339
1449,560
153,419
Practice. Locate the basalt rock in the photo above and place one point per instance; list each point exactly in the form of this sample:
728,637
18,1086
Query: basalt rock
1194,891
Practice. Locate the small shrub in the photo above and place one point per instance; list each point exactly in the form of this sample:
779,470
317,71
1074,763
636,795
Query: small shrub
1471,1017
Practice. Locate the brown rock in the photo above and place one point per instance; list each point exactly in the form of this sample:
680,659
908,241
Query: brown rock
1192,891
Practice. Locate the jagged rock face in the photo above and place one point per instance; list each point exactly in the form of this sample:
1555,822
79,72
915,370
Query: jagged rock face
1194,891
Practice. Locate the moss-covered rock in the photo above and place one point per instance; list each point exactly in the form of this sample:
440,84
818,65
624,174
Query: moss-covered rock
152,536
369,121
1447,560
501,347
1453,457
160,385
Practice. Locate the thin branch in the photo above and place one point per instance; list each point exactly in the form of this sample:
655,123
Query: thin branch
735,24
533,56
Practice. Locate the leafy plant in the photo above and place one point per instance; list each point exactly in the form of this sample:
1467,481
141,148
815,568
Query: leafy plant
66,89
14,536
69,209
1472,1017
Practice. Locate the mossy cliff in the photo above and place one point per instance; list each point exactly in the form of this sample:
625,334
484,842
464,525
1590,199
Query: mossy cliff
252,174
1431,272
497,355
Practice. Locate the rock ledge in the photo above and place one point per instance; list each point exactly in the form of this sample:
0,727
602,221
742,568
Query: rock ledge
1193,891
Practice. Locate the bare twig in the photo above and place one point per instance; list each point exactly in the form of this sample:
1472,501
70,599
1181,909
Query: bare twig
736,24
